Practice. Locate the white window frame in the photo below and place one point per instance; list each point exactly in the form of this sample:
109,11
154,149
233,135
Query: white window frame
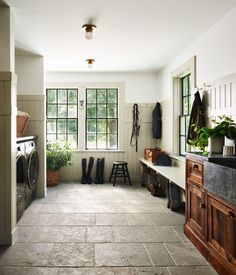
189,67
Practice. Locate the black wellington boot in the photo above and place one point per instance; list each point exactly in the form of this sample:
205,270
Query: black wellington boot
90,167
97,171
84,164
101,172
175,201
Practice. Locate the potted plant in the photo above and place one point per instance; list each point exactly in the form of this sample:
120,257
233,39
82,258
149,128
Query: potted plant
58,155
214,136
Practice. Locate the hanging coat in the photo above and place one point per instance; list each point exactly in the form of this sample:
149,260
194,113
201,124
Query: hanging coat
196,117
156,121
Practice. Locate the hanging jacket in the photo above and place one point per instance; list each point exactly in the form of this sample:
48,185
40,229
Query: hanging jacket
156,121
196,117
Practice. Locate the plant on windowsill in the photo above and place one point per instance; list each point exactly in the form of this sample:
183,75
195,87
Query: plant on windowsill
214,136
58,155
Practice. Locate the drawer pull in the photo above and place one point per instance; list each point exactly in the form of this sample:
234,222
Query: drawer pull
195,166
202,205
230,214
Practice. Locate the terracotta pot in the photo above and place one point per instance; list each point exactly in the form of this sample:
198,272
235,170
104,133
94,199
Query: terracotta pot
53,177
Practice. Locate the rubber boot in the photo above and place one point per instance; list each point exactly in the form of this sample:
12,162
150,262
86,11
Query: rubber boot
84,164
168,193
175,203
90,167
97,171
101,172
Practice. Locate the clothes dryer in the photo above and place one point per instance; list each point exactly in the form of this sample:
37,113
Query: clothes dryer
32,171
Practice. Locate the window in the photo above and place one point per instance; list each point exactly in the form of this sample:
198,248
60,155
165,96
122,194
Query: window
101,119
62,115
184,114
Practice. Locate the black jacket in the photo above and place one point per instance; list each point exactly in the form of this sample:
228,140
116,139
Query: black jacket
196,117
156,121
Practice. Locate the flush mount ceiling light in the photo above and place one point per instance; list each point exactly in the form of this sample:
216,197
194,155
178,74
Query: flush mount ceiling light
89,29
90,63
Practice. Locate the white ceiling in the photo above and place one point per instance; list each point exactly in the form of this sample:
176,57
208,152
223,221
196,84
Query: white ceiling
132,35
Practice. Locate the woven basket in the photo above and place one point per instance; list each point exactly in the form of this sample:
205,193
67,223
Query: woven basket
21,122
53,177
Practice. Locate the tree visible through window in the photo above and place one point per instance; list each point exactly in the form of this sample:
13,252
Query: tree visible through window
185,113
62,115
101,119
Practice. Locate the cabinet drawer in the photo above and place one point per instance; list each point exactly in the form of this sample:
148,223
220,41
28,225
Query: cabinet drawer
195,171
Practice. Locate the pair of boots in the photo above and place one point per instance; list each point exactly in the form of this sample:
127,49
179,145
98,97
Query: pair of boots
100,171
86,176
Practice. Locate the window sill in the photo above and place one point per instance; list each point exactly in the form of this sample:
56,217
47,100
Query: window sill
180,158
99,151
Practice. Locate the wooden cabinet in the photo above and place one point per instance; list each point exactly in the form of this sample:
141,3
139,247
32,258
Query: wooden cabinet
222,229
210,220
196,210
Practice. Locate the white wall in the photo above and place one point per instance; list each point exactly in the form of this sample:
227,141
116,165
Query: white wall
30,75
139,87
215,51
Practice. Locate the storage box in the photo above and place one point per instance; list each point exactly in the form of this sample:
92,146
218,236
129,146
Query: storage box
151,154
21,122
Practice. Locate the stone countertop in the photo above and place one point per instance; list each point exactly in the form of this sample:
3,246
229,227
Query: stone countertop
228,161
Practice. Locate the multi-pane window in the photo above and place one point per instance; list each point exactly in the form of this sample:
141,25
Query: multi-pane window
62,115
101,119
185,113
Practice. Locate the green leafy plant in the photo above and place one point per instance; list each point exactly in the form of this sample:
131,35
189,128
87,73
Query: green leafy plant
224,127
58,155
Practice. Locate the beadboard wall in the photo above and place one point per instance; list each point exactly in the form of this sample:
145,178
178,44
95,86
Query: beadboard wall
34,106
127,152
220,97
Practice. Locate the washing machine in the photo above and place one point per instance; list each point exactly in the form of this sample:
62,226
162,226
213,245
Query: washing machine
21,179
27,172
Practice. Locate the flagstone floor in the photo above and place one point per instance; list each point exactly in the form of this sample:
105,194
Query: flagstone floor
101,229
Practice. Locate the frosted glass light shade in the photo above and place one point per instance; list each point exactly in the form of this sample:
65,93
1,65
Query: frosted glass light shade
89,35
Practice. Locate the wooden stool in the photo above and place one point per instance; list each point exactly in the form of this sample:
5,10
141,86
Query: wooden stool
119,169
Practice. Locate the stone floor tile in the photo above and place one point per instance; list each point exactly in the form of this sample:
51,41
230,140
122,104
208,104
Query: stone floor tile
111,219
99,234
71,254
72,219
158,254
139,219
23,233
144,234
179,229
28,271
116,254
185,254
25,254
48,234
194,270
172,218
142,208
34,208
58,208
34,219
162,271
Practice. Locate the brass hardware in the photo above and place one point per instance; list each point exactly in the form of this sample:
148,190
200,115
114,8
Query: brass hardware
230,214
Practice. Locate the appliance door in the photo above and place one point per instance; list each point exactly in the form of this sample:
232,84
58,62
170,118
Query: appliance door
33,169
21,179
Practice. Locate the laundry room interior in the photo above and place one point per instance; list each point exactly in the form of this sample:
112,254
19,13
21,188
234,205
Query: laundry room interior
117,137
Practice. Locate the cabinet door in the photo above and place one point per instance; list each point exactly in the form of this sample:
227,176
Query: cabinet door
222,229
196,210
